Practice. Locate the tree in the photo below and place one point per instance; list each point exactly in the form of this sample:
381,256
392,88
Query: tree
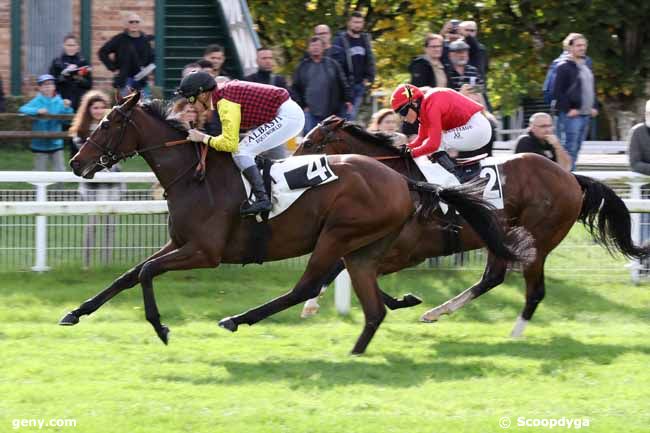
522,37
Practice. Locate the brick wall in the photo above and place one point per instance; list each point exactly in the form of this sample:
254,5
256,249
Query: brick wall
107,20
5,44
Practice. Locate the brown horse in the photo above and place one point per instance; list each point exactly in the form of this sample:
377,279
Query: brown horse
356,217
538,195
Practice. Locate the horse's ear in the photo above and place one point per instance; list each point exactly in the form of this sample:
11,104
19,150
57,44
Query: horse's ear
334,121
130,101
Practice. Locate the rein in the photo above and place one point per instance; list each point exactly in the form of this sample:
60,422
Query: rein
108,155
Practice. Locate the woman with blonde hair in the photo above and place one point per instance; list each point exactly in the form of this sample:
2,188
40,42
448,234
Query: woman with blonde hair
92,109
386,121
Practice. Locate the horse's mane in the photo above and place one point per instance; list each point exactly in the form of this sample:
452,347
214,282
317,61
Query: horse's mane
375,138
161,109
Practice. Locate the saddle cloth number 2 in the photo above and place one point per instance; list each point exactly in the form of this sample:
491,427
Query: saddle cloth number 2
492,192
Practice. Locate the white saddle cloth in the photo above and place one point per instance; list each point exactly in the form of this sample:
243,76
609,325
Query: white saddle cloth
292,177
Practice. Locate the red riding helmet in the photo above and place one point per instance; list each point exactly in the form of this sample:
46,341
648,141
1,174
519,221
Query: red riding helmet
405,94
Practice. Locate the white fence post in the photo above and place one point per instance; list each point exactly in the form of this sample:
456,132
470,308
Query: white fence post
342,286
40,264
635,194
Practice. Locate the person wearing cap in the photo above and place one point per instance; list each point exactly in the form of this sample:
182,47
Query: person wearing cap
268,112
460,71
47,101
130,56
448,120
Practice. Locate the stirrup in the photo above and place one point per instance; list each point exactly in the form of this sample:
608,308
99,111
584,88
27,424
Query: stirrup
248,209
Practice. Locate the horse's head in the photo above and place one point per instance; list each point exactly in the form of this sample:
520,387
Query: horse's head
324,138
112,140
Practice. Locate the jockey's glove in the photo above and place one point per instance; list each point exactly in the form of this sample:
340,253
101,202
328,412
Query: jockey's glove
196,135
404,150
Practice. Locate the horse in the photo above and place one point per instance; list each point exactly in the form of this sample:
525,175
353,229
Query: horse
538,195
356,217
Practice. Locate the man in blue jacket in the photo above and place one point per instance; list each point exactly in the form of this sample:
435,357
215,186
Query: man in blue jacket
47,102
574,91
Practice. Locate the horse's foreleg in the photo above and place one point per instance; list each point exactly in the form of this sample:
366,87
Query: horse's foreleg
535,291
125,281
311,307
494,274
186,257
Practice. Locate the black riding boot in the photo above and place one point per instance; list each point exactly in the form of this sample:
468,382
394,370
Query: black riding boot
262,202
445,162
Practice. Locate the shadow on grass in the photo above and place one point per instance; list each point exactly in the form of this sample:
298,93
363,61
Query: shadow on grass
397,371
557,350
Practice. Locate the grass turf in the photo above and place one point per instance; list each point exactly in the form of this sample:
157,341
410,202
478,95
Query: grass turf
585,356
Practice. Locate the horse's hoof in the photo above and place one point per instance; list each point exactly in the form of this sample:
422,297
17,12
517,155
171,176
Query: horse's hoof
228,324
309,311
411,300
429,318
69,320
163,334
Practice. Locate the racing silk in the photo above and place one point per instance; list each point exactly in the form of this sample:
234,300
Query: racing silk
441,110
243,105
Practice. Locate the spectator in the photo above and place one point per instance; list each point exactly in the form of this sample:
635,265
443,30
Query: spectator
323,31
92,110
319,86
215,54
575,94
206,66
450,32
386,121
541,140
264,74
185,112
478,56
72,72
640,162
428,69
189,68
47,102
460,71
129,54
3,106
354,52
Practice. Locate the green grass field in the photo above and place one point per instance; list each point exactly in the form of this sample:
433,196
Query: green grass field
585,356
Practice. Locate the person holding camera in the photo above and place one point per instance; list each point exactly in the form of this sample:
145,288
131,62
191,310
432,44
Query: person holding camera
72,72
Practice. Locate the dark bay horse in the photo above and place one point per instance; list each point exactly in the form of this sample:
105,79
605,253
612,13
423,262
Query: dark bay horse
356,217
538,195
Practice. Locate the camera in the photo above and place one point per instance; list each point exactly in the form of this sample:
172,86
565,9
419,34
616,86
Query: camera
454,26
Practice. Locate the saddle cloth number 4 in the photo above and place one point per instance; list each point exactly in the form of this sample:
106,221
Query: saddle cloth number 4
311,174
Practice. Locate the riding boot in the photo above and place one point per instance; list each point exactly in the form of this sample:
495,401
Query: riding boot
445,162
262,202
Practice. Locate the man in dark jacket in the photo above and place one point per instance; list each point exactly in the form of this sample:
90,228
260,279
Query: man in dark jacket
541,140
478,56
319,86
72,72
575,94
354,53
131,56
264,74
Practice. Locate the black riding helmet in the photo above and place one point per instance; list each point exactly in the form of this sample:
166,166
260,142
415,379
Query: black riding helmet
195,83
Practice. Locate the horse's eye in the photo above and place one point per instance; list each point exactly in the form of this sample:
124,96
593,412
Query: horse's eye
104,125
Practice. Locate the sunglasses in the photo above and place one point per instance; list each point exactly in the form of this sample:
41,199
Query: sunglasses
134,22
405,110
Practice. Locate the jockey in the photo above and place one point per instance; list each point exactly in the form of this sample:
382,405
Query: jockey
268,112
448,120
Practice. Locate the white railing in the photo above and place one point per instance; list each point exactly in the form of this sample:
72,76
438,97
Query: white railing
41,208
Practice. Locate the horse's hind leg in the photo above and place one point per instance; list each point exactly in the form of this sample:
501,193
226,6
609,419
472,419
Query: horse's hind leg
323,259
535,291
494,274
125,281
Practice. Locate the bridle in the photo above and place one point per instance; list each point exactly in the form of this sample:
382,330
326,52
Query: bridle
109,157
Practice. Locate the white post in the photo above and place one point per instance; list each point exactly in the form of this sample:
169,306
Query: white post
40,264
635,194
342,286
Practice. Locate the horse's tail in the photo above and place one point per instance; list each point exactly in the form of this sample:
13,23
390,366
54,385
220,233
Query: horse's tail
516,245
608,219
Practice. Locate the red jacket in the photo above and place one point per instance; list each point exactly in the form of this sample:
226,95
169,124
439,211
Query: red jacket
441,110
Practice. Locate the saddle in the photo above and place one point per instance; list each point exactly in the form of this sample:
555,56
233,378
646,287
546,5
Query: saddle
469,168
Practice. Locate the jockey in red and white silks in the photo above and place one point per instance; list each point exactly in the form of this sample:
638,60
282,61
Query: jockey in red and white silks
448,120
